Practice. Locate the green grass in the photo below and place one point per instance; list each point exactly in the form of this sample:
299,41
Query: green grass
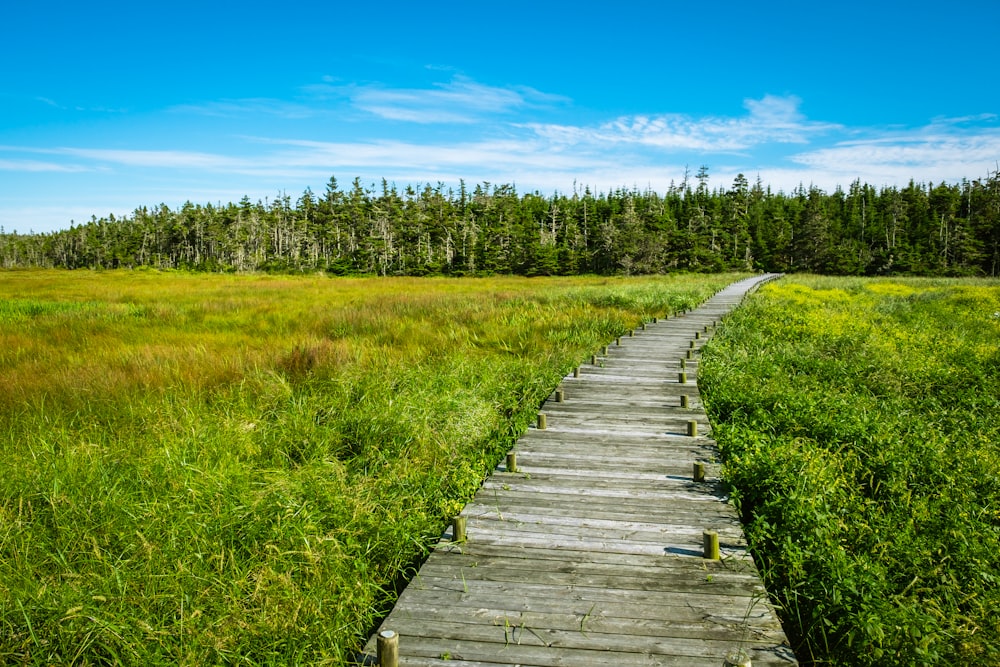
242,469
859,422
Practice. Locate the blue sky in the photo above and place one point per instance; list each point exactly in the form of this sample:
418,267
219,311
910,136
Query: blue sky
105,107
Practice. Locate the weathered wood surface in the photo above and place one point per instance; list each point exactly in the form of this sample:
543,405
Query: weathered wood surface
591,552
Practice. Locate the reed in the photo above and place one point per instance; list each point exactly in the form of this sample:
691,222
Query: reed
207,469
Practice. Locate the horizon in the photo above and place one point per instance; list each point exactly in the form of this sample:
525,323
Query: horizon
207,105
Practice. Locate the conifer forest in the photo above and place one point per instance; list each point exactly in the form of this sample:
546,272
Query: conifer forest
920,229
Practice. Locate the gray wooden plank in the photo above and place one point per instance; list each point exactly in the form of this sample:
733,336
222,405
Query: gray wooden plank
716,602
601,616
556,506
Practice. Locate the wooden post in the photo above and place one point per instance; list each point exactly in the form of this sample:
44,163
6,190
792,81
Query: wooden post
710,543
689,354
699,471
643,326
388,649
576,372
737,658
458,529
618,341
692,429
692,345
683,364
560,395
604,350
631,333
682,377
697,335
511,461
541,422
684,401
655,320
593,360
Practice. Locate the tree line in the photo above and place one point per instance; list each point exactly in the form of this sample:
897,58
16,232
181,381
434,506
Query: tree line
923,229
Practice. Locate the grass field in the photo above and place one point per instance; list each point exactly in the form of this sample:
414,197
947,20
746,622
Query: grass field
241,469
859,422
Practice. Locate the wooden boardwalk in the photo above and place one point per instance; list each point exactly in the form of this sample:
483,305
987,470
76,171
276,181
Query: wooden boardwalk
591,551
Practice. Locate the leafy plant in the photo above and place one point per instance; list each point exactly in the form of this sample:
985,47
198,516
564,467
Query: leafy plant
859,422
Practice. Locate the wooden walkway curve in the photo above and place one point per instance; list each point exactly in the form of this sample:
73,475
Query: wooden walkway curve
590,552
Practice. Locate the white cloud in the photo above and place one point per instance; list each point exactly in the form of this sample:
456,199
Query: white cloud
460,100
96,158
394,154
961,120
926,154
154,159
37,165
771,120
251,106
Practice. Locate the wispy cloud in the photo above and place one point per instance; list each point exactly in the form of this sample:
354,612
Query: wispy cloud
395,154
963,120
771,119
259,106
929,153
460,100
154,159
39,166
93,158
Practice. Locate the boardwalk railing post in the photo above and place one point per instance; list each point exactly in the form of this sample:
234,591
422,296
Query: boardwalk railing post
560,395
458,529
685,401
541,422
710,544
738,658
388,649
699,471
576,372
593,360
683,364
682,377
604,350
693,429
511,461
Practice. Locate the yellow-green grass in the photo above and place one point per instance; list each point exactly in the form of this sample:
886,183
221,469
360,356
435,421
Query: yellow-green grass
242,469
859,421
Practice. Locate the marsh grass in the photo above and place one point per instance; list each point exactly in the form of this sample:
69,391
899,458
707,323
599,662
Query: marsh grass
859,422
241,469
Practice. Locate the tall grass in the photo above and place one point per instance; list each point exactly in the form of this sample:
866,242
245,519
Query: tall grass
859,422
241,469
